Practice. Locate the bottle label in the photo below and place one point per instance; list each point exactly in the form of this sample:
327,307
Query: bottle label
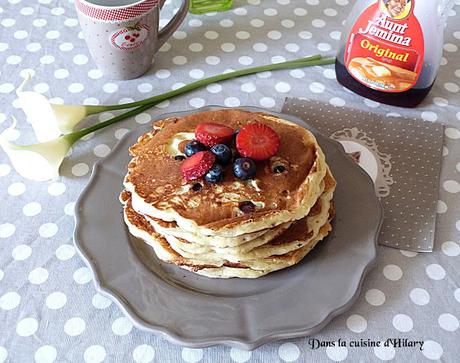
385,49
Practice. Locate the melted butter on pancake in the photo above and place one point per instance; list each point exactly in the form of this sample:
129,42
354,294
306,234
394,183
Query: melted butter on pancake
172,147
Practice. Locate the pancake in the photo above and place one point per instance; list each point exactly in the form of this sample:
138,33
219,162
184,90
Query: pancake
282,250
159,191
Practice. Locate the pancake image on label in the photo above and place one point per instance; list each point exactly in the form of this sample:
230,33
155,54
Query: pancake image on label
257,202
381,75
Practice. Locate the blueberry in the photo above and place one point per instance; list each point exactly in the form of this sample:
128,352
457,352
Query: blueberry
193,147
223,153
215,174
244,168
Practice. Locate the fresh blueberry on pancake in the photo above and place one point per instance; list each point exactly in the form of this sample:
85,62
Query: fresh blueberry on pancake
215,174
223,153
244,168
193,147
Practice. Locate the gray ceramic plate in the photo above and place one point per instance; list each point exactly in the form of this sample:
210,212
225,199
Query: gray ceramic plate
196,311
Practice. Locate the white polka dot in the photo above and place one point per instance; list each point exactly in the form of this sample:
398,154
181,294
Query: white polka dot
270,12
212,60
335,35
41,87
179,60
5,169
403,323
448,322
162,73
239,355
100,302
122,326
457,294
57,11
260,47
337,101
375,297
27,327
439,101
119,133
451,87
145,87
21,252
289,352
300,12
282,87
195,47
66,47
53,34
214,88
3,354
195,23
419,296
143,353
317,87
9,300
7,230
211,34
80,169
245,60
20,34
8,22
342,2
257,23
274,34
449,47
435,271
164,104
450,248
38,276
408,253
110,87
13,59
101,150
330,12
385,353
318,23
91,101
76,87
451,186
48,230
82,276
266,74
95,74
457,225
429,116
16,189
2,274
287,23
196,73
337,354
248,87
56,300
441,207
392,272
197,102
432,350
45,354
74,326
226,23
232,102
6,87
356,323
61,73
297,73
371,103
192,355
94,354
143,118
324,47
33,47
267,102
56,189
165,47
292,47
452,133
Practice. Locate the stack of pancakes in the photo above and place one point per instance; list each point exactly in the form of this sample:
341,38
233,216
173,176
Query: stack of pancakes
235,228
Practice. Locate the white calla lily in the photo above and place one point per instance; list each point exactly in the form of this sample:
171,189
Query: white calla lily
50,120
39,162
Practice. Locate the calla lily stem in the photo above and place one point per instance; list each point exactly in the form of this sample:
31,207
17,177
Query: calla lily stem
145,104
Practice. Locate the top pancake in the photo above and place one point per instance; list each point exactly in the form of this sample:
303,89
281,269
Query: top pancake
159,190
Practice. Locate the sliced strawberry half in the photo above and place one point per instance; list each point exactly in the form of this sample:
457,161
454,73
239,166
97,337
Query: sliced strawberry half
210,133
257,141
197,165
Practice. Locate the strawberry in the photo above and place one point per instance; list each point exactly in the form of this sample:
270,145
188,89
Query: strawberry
197,165
210,134
257,141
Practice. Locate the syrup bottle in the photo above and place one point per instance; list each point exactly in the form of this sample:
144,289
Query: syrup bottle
391,49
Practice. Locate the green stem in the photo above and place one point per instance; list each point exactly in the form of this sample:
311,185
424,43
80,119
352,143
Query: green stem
152,101
203,82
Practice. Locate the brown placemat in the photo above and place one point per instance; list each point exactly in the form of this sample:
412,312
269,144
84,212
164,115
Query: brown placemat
402,156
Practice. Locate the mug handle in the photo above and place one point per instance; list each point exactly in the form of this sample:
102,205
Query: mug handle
173,24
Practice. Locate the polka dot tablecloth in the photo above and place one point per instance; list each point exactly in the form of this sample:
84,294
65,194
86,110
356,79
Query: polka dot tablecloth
49,308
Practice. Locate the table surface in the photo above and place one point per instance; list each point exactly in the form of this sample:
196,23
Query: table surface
49,308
